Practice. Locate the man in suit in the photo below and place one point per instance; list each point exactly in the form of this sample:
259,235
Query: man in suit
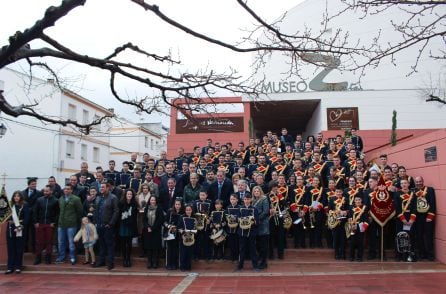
30,194
168,196
221,189
242,187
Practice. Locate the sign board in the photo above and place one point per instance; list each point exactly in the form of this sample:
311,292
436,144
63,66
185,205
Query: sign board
342,118
210,125
430,154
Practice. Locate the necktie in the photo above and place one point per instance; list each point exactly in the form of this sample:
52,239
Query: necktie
170,193
219,190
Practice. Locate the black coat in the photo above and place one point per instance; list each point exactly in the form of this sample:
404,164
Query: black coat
126,219
226,191
152,240
46,210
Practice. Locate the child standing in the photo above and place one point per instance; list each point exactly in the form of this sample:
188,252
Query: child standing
89,237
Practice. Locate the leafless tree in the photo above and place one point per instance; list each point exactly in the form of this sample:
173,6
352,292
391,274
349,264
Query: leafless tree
423,23
302,47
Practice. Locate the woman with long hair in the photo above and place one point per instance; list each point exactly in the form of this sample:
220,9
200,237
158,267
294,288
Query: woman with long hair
18,220
153,221
261,203
171,239
127,227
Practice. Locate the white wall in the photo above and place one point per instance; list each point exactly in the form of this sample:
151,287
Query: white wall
29,148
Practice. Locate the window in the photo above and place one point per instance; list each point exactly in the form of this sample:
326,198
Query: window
85,116
96,154
84,152
151,144
146,142
71,111
70,149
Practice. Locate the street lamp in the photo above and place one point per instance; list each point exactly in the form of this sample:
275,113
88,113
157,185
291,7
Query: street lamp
3,130
2,126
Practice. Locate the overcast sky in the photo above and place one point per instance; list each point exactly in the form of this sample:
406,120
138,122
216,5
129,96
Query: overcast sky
102,25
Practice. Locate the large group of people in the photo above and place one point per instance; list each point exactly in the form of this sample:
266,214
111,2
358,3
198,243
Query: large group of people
226,202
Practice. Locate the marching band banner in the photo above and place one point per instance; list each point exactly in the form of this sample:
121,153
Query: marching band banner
381,209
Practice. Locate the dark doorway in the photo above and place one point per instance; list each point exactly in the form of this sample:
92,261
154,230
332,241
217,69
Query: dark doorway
274,115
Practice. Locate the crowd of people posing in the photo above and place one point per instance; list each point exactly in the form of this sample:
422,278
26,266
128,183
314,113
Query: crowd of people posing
226,203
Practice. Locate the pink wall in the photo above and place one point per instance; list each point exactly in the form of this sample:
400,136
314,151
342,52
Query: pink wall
188,141
377,138
410,153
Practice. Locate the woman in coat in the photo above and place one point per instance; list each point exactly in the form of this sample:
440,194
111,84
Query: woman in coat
15,232
153,221
127,227
261,203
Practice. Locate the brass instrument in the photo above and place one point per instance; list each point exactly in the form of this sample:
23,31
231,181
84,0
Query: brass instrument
287,220
332,220
312,219
274,200
350,226
300,192
314,204
403,244
334,216
422,204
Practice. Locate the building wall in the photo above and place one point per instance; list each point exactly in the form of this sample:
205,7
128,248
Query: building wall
411,155
29,148
188,141
127,137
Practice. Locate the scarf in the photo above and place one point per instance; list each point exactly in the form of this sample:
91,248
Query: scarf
151,214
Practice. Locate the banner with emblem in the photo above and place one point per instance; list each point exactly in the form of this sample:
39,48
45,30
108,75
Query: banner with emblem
381,209
5,209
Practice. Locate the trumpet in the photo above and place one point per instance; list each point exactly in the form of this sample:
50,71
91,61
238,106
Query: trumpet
302,217
312,219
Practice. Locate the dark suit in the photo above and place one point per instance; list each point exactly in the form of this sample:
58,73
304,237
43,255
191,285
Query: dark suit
226,190
166,200
242,195
30,198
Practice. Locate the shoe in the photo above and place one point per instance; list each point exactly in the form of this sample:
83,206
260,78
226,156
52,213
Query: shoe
58,261
262,266
110,266
38,260
85,262
18,271
256,269
73,261
48,259
99,264
352,259
8,272
92,264
359,259
237,269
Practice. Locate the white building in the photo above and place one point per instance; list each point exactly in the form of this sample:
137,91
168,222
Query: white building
301,103
31,148
127,137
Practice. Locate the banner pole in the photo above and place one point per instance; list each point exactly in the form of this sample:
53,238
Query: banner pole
382,243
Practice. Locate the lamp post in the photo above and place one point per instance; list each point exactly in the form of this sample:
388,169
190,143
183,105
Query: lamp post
3,128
